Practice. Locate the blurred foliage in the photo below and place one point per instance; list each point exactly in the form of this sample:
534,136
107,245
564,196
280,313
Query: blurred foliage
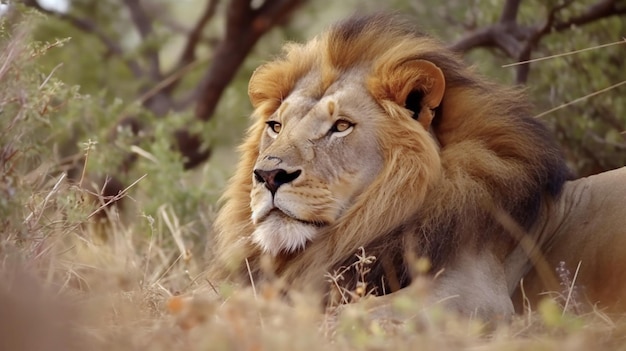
38,115
590,131
47,126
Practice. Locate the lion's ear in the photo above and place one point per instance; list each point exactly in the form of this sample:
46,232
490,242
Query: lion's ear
415,84
427,93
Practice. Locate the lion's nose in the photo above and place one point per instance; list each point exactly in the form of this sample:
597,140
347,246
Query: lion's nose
274,178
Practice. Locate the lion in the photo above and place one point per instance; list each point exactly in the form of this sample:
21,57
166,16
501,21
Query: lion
373,137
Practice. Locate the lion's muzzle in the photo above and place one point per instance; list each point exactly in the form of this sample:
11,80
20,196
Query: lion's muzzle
274,178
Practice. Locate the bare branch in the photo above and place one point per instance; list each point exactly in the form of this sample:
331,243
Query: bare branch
499,35
277,10
169,81
482,37
188,54
523,71
238,14
244,27
509,12
518,41
602,9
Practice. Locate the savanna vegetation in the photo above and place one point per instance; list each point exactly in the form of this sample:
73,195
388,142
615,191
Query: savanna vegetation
119,121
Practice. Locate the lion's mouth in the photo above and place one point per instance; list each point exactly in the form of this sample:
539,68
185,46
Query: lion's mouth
289,216
268,208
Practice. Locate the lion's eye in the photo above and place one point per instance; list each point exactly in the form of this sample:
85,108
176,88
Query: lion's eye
273,128
341,127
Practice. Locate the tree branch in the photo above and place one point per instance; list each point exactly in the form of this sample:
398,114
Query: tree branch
244,26
602,9
509,12
188,54
482,37
518,41
523,71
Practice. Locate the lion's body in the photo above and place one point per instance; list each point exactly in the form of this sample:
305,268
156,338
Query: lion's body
584,236
344,153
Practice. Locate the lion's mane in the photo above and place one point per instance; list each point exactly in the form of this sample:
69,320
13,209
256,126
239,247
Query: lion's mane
437,189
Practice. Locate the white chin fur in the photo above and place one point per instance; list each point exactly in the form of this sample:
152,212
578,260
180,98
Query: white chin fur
277,233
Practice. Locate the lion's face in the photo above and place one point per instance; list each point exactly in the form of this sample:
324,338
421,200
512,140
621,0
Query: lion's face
316,155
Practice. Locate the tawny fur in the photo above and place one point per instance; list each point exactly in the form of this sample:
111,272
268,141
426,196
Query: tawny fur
433,196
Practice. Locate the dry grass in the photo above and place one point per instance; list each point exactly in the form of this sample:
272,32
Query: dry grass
65,288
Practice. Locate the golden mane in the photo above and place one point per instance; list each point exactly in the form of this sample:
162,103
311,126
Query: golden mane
436,188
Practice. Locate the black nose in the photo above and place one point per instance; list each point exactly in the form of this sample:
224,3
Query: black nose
274,178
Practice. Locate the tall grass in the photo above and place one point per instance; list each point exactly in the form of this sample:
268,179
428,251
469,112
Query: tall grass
76,274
